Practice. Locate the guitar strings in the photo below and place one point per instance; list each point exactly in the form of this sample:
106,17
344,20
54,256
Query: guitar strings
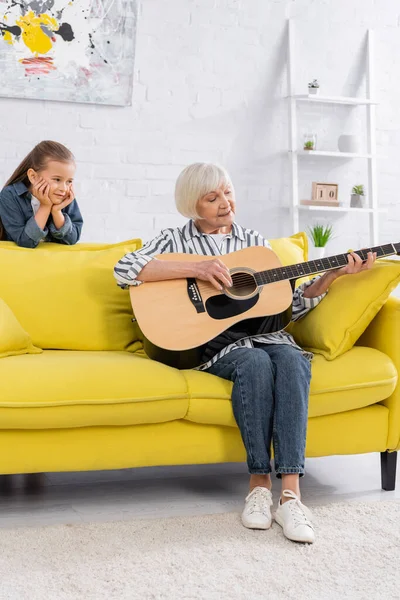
241,284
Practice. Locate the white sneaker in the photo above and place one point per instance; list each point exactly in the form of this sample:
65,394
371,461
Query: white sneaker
257,509
295,519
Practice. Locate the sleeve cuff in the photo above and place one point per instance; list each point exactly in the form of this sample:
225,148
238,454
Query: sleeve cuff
308,302
64,230
33,230
126,271
133,272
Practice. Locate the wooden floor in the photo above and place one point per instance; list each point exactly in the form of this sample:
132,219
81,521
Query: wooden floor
169,491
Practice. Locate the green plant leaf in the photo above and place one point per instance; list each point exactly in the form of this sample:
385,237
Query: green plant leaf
320,234
358,190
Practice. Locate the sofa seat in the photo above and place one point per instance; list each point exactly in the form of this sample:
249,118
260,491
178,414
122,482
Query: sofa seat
64,389
358,378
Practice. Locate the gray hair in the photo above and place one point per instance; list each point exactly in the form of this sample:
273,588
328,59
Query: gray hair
194,182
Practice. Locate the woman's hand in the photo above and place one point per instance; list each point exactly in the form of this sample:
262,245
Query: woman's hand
214,271
68,200
356,265
41,190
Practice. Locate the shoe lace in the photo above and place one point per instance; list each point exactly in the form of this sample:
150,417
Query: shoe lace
259,500
300,513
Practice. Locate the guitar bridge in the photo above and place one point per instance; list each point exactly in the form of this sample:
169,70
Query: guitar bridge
194,295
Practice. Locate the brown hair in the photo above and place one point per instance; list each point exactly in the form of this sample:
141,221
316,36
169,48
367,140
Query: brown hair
37,160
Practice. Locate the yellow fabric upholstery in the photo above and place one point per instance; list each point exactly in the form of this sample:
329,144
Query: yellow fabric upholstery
69,300
291,250
90,405
360,377
351,432
175,443
335,324
13,339
384,334
133,244
88,388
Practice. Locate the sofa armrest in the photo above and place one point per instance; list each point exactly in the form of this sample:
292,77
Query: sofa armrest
383,333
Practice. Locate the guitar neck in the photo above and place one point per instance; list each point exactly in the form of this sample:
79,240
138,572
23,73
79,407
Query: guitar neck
320,265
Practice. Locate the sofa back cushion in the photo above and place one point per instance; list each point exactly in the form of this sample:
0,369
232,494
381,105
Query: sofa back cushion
291,250
66,297
13,339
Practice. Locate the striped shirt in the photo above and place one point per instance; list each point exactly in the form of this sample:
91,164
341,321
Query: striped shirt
190,240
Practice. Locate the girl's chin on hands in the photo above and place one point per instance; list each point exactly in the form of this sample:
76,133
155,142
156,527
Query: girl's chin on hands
57,199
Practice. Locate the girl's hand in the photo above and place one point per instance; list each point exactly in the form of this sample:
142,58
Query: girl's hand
68,200
356,265
214,271
41,191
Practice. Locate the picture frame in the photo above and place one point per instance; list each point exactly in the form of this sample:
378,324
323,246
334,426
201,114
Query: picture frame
68,51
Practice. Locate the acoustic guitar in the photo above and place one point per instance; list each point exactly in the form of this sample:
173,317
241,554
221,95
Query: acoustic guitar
179,316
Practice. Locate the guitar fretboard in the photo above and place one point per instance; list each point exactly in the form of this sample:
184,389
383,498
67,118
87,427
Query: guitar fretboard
312,267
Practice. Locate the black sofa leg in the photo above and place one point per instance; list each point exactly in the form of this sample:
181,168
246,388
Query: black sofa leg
388,470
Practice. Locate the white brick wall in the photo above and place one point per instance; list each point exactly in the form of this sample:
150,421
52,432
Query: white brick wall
210,82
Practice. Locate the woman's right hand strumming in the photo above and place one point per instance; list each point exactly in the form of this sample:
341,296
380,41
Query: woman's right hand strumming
214,271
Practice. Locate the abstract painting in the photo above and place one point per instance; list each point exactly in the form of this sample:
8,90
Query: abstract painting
68,50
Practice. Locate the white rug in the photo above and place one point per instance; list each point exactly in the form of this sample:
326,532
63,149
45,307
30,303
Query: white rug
356,556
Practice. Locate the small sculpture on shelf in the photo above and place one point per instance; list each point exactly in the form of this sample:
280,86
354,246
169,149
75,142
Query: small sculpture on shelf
320,236
313,87
357,197
348,143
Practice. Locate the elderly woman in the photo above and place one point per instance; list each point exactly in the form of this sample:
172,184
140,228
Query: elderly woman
270,373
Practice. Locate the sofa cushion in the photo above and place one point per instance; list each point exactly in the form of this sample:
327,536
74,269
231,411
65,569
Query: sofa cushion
94,246
64,389
291,250
361,377
68,298
13,339
337,322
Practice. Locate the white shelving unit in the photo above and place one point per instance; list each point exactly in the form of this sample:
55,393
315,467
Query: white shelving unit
340,209
370,155
310,153
333,99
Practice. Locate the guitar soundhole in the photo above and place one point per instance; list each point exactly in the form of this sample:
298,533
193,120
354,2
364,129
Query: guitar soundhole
243,284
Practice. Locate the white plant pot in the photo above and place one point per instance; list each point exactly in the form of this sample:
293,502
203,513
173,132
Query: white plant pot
313,91
348,143
316,253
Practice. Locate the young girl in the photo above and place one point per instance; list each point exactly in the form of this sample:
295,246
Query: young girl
38,201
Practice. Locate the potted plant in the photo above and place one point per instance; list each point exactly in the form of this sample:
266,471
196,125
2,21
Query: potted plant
357,196
310,141
313,87
320,236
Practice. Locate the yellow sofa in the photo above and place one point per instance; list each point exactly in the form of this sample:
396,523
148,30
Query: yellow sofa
92,400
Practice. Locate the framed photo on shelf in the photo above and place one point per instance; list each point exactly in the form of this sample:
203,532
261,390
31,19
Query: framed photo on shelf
323,194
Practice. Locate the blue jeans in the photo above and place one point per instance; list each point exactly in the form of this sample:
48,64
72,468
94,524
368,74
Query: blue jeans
270,403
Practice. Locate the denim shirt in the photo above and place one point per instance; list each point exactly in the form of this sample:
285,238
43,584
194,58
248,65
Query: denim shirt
18,220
